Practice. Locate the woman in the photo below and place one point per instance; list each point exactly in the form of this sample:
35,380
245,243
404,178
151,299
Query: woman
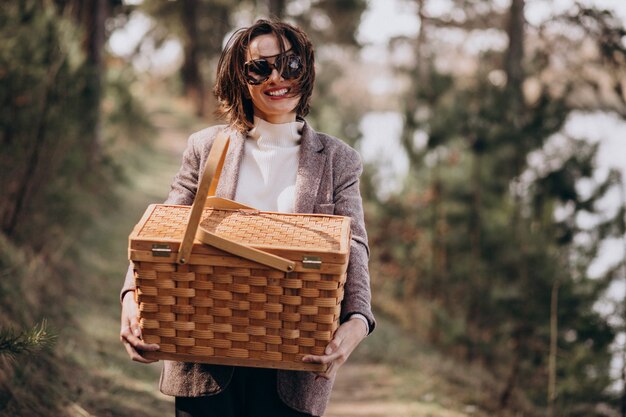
275,162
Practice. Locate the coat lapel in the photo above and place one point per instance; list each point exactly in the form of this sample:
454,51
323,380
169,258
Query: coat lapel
310,168
227,185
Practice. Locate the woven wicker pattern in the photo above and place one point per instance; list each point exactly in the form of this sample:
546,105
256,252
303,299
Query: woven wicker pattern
274,229
306,232
258,314
165,222
252,316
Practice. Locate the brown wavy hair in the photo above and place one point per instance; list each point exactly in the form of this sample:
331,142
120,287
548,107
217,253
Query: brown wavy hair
231,87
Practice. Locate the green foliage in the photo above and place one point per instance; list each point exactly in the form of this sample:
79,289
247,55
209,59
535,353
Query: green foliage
331,22
51,160
126,120
56,174
14,343
30,292
474,237
200,26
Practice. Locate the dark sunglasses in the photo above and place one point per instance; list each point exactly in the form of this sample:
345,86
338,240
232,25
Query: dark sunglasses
258,71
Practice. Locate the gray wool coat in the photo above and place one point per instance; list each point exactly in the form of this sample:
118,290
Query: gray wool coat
327,183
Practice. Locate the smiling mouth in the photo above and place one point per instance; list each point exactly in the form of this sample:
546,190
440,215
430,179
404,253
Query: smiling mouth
278,92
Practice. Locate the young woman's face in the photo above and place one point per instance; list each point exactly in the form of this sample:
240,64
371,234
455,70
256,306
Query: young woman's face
272,99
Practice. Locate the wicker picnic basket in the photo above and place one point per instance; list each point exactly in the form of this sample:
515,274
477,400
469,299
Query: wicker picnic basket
222,283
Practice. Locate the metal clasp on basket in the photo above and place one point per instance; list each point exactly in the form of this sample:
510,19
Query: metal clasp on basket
161,250
312,262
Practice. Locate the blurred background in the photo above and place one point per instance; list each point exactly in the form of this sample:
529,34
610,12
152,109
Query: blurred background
494,140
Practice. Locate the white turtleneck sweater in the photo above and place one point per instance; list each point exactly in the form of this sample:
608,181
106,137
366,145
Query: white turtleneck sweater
267,176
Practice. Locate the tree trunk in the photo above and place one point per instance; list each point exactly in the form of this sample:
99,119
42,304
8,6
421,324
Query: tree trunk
191,74
479,288
277,8
554,303
513,64
422,66
438,227
29,176
511,382
92,17
623,234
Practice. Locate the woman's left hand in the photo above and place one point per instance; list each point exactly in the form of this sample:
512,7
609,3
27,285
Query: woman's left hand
347,338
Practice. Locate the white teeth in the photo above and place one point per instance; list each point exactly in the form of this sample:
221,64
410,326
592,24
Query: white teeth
280,92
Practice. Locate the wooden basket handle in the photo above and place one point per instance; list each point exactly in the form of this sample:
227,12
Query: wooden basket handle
207,187
252,254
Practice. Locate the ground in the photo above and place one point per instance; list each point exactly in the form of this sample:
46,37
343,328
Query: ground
370,390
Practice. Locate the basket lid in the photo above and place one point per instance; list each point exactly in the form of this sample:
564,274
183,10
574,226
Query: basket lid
311,233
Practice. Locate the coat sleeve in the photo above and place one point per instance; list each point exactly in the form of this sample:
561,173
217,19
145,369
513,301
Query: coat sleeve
348,202
185,184
183,190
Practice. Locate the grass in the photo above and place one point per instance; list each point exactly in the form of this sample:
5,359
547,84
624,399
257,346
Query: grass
412,373
25,293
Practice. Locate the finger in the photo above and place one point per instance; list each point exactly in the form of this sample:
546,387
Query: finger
141,345
329,374
331,353
134,345
127,336
135,355
134,326
323,358
332,346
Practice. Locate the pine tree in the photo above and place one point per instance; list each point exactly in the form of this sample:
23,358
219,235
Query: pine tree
484,251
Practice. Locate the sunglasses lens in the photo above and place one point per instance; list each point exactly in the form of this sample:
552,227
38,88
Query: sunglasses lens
258,70
292,67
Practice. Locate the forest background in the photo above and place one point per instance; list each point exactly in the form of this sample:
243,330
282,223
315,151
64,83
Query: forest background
498,234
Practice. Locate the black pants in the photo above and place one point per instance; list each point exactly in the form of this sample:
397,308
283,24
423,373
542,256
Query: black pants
251,393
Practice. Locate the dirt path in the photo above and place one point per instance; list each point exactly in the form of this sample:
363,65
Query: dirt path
371,390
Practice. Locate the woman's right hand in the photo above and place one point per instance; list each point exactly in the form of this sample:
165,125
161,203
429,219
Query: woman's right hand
130,332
